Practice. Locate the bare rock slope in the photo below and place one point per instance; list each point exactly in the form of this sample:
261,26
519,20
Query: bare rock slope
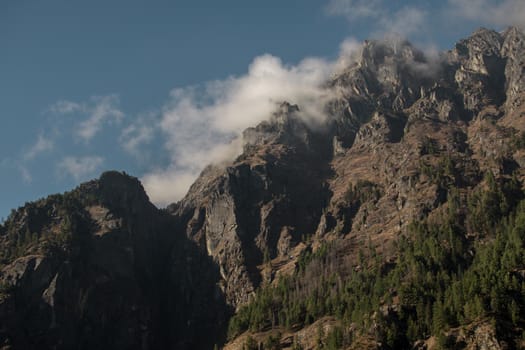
395,114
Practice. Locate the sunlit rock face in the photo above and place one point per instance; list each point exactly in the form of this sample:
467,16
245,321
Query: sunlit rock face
388,106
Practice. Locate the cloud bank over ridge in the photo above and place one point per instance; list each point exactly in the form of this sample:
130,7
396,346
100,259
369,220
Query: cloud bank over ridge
202,124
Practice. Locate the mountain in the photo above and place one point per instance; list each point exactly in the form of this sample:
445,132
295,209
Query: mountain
398,222
102,267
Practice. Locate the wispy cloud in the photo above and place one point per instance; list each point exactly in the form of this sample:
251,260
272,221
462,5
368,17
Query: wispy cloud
404,22
138,134
25,174
349,51
386,21
103,111
490,12
420,20
98,111
22,161
42,144
355,9
65,107
80,167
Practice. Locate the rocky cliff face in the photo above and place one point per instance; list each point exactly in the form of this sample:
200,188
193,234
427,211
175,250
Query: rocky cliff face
101,265
395,112
259,207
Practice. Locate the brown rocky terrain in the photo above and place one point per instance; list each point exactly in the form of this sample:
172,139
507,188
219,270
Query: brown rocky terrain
101,265
395,115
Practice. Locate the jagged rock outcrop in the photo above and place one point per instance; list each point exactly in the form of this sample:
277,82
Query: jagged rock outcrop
394,114
405,127
259,206
512,49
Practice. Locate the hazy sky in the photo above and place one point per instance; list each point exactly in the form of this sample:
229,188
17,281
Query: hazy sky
155,87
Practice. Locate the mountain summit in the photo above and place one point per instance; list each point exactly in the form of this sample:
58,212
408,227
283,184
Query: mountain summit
396,223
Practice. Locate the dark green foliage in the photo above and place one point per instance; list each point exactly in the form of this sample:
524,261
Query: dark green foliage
45,226
296,345
363,191
272,342
443,174
487,205
250,344
307,256
441,278
5,289
429,146
334,339
518,141
357,195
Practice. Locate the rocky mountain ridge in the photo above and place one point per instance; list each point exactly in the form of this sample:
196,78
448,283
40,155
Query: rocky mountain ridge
404,134
101,267
392,105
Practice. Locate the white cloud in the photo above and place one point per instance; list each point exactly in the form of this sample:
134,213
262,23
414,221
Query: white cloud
349,51
202,125
80,167
99,110
104,110
355,9
65,107
138,134
402,22
399,19
490,12
41,145
26,175
167,186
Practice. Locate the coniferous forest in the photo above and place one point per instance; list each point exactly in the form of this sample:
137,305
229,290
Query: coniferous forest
464,265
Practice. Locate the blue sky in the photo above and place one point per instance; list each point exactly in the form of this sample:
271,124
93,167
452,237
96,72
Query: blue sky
159,88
